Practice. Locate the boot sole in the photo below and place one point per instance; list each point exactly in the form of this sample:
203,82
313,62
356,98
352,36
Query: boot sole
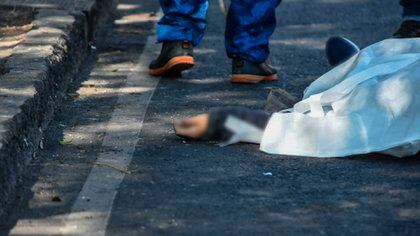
251,79
174,66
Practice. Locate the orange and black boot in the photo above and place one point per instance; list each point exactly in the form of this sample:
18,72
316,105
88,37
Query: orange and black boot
174,58
245,72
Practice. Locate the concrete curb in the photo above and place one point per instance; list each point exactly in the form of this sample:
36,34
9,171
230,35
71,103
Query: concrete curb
40,70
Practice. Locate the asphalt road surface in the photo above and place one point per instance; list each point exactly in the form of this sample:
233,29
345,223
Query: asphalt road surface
110,163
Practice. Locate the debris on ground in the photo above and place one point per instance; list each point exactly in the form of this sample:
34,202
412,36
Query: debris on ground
279,99
56,198
65,142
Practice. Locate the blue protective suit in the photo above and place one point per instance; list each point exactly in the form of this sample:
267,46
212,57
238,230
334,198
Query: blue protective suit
250,23
411,9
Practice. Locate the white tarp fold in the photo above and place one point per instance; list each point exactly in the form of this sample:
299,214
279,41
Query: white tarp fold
370,103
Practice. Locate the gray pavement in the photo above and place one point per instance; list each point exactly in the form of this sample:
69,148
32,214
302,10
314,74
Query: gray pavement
196,188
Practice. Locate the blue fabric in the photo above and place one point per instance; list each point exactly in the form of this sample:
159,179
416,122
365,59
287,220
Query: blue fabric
183,20
409,2
339,49
411,8
412,11
250,23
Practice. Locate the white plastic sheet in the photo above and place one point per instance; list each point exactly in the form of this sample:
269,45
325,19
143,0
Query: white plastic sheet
370,103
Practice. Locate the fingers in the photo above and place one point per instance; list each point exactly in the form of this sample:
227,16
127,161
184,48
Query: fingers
188,133
187,128
192,127
188,122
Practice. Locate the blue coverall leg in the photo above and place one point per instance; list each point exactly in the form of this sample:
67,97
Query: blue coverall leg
183,20
411,9
250,23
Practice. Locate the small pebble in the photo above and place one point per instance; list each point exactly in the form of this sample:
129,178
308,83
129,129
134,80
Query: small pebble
56,199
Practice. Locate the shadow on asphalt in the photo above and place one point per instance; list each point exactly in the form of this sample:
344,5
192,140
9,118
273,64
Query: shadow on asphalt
50,185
